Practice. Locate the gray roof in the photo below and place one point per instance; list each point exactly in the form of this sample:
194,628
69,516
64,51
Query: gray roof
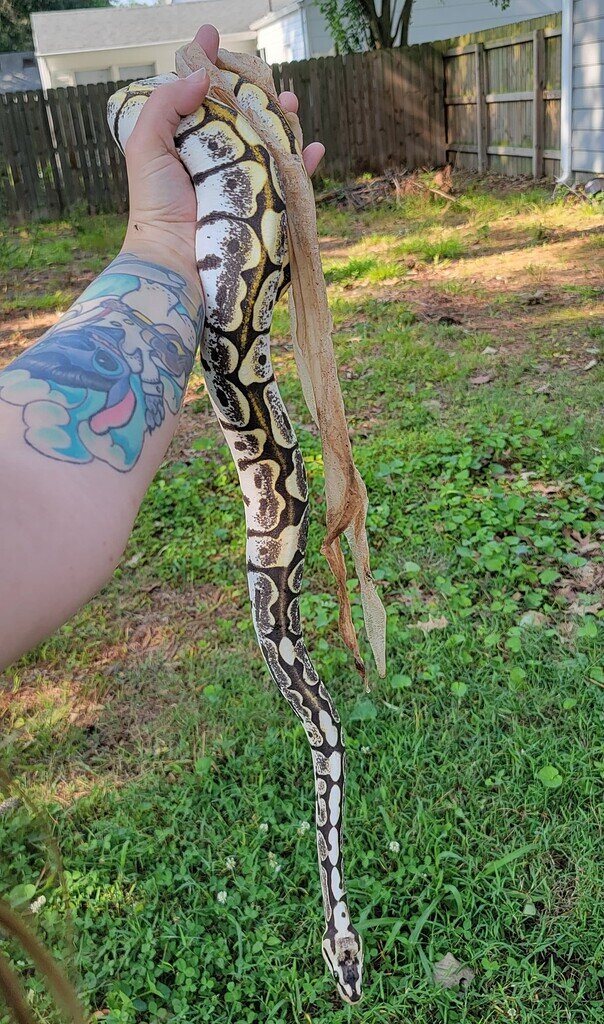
108,28
14,77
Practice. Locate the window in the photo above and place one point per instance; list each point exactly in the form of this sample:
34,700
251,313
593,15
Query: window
131,71
92,77
29,62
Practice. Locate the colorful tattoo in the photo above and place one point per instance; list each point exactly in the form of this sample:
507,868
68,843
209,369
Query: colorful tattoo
102,378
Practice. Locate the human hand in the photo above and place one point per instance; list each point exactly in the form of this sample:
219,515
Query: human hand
162,220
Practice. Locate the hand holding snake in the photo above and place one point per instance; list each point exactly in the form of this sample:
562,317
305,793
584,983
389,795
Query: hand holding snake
241,151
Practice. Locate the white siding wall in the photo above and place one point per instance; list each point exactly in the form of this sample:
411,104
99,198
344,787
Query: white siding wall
321,43
283,40
59,70
442,19
588,86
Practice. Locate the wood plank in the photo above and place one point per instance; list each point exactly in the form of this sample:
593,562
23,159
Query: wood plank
440,121
461,101
13,175
538,102
23,151
79,141
398,107
60,146
49,171
508,97
481,110
388,106
498,44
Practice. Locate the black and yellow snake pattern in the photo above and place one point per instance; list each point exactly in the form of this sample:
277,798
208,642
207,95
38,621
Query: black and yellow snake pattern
242,256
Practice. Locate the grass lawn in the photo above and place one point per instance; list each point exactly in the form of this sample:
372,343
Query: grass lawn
157,756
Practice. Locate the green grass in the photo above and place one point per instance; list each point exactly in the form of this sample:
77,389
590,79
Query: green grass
481,754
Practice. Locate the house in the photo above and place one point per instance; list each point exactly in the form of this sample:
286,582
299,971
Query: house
292,31
104,44
18,72
297,30
582,96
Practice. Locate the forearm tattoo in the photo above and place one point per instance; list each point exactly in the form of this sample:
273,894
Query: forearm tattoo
101,380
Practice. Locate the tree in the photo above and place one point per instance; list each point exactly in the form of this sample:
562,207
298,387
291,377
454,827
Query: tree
371,24
15,27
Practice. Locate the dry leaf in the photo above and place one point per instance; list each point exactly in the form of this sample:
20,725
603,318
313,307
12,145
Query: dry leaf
590,365
430,624
533,619
482,378
450,973
489,351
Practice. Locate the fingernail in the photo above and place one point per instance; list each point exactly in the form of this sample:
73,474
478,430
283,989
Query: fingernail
199,75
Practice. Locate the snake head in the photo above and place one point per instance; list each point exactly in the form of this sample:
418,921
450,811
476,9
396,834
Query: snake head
125,105
343,955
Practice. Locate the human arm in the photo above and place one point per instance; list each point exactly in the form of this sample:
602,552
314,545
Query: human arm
87,414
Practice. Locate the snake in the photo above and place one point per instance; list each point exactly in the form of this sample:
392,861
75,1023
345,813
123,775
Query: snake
243,260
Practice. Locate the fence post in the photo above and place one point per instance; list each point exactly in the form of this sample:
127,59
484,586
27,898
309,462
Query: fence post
481,108
538,101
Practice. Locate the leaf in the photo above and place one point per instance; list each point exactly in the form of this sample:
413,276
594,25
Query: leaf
411,568
401,681
430,624
550,777
549,576
364,711
482,378
21,894
494,865
459,689
450,973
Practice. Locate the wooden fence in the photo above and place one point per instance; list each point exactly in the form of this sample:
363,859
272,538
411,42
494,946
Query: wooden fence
373,110
492,105
503,103
56,152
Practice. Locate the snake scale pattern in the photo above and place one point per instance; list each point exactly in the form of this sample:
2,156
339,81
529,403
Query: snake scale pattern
242,254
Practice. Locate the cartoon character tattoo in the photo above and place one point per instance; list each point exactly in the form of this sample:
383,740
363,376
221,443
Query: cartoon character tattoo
101,379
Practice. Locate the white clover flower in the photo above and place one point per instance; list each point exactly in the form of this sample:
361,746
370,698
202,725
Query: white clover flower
221,896
394,847
365,750
230,863
37,904
276,868
263,826
272,857
303,827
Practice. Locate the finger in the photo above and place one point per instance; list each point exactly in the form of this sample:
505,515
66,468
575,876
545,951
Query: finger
312,156
289,102
161,114
207,37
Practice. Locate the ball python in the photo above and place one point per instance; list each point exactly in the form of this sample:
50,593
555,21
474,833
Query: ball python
243,258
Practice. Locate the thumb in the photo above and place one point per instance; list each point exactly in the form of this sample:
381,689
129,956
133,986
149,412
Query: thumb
161,114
